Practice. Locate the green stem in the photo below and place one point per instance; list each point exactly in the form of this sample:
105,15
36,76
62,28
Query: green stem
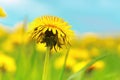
1,75
63,69
33,56
46,65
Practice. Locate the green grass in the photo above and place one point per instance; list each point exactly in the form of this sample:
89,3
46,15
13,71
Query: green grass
29,64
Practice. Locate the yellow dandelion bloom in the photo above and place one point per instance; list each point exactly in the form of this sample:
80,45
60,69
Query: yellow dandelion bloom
94,52
40,47
7,63
60,62
3,31
18,36
98,65
90,38
51,30
2,13
118,48
82,54
77,67
9,44
109,42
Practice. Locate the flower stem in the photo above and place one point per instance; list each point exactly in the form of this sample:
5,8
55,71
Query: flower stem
65,61
1,75
46,65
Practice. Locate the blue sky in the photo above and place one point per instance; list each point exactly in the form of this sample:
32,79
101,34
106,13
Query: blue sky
101,16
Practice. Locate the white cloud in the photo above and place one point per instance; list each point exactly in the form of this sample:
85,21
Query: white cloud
9,2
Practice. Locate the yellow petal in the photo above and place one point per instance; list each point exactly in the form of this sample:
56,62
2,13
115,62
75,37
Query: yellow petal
62,34
49,29
44,30
54,31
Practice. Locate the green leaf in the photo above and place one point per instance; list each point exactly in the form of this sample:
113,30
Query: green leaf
80,73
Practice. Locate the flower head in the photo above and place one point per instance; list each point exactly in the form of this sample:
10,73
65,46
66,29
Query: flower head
7,63
2,13
51,30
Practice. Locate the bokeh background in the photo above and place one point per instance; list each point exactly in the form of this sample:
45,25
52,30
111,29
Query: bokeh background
96,26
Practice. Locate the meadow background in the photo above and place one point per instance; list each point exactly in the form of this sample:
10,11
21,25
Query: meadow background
96,26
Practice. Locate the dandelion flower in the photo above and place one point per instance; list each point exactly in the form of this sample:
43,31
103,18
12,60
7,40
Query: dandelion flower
3,31
79,54
40,47
2,12
60,62
7,63
51,30
98,65
77,67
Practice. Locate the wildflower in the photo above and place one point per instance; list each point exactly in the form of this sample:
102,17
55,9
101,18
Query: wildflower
79,54
51,30
109,42
7,63
98,65
40,47
2,12
94,52
90,40
10,47
3,31
60,62
118,48
77,67
18,35
14,39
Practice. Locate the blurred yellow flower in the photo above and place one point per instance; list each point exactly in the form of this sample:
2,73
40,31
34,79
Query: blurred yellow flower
118,48
77,67
60,61
94,52
78,53
40,47
7,63
8,43
51,30
18,35
109,42
2,12
90,38
15,38
98,65
3,31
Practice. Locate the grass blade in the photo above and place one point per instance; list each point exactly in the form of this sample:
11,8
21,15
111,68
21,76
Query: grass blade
81,72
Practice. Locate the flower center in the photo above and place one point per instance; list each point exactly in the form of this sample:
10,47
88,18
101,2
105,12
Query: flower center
50,39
